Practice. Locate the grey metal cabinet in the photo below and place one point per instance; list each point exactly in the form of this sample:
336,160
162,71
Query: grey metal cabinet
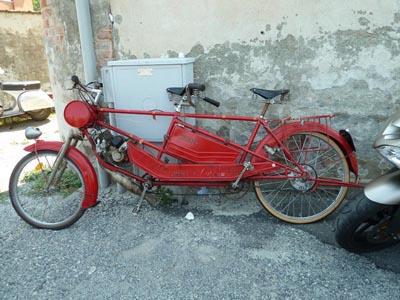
141,84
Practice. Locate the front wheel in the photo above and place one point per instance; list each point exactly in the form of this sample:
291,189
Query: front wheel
364,225
49,207
306,199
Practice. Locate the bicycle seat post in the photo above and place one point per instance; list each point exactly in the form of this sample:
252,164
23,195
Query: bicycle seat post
264,111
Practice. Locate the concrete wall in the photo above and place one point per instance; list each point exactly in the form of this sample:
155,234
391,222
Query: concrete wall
63,48
63,52
338,57
23,53
22,49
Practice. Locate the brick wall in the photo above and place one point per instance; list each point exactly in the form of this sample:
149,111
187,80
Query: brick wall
17,5
6,5
54,35
104,46
53,28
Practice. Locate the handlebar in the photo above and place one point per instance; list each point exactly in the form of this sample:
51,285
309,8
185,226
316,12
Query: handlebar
88,90
75,79
202,87
211,101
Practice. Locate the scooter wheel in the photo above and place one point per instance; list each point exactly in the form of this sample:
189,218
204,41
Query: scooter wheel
363,225
40,114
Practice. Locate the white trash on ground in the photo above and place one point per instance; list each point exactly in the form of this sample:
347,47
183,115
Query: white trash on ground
189,216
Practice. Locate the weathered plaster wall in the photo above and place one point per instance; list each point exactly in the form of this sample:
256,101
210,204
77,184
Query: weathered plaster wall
22,50
23,54
63,52
63,48
335,57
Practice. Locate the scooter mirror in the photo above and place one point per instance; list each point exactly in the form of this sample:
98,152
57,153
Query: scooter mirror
111,18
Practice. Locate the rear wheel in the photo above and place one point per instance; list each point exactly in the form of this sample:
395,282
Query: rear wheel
40,114
55,207
363,225
311,198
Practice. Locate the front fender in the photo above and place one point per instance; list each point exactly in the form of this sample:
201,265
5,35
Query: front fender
82,162
384,189
296,127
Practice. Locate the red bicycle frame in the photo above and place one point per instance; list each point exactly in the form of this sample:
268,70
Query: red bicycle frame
300,167
207,159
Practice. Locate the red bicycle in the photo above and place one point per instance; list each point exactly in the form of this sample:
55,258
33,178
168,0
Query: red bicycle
300,168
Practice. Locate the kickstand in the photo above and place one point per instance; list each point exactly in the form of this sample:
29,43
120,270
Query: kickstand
145,188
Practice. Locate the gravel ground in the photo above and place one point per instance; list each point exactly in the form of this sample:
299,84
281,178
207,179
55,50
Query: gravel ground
231,250
158,254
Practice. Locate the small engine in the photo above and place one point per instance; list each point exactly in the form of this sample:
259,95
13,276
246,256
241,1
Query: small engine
111,147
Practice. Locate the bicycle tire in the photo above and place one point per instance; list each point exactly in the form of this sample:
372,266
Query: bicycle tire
55,208
297,200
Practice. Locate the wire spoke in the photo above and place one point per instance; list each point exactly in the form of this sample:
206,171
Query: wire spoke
304,200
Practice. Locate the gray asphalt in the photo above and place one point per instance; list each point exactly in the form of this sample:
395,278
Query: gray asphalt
231,250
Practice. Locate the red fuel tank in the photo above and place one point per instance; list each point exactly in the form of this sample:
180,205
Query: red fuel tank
197,148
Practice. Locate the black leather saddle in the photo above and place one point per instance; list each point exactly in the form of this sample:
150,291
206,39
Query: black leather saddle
269,94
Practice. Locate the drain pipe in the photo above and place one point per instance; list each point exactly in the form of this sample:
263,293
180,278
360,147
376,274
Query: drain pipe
89,62
86,37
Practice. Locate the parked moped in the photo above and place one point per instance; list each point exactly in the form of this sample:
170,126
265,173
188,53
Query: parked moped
372,221
299,167
27,99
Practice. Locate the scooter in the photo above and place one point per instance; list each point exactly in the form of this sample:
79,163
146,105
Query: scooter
372,221
27,99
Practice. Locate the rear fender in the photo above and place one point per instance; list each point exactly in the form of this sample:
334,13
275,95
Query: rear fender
84,165
292,128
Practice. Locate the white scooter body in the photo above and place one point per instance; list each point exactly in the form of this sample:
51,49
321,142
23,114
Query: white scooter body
386,188
28,99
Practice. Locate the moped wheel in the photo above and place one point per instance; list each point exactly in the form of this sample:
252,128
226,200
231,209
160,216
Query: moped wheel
305,200
363,226
40,114
55,207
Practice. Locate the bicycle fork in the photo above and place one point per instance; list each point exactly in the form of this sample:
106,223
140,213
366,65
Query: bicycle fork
71,141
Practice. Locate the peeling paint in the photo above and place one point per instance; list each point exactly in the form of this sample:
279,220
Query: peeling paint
335,59
353,73
23,56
